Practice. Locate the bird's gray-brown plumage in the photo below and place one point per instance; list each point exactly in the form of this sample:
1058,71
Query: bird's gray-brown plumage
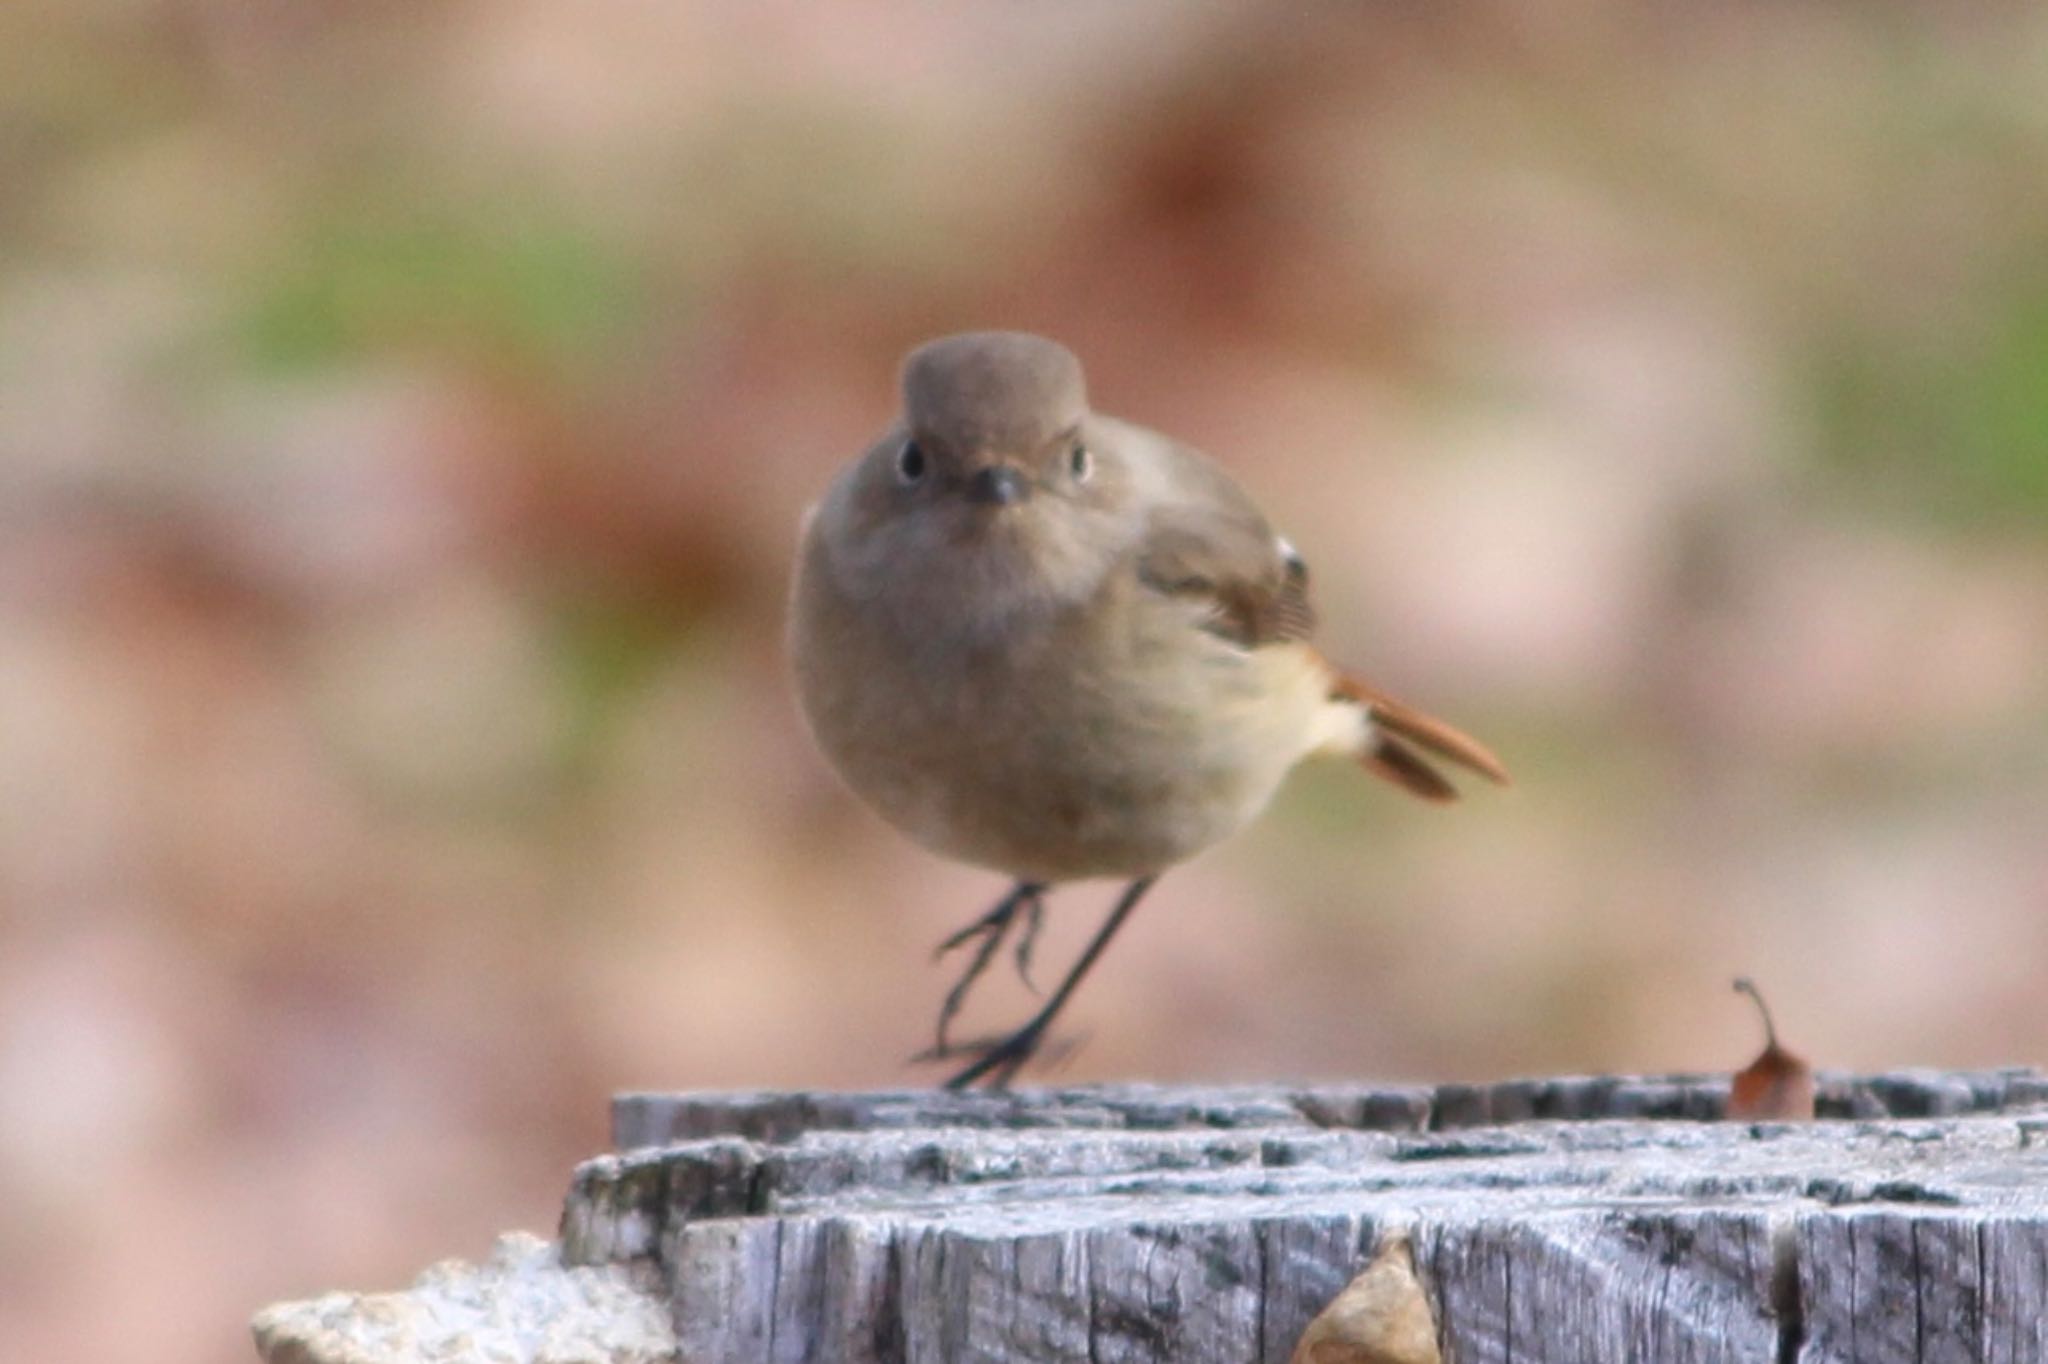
1059,645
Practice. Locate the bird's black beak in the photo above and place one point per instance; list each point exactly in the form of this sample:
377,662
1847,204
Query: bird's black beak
998,485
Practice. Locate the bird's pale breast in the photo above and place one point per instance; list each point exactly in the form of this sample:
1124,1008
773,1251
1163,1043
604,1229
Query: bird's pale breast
1113,737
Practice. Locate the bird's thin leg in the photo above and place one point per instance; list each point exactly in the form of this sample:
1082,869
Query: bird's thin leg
999,1064
1034,919
991,928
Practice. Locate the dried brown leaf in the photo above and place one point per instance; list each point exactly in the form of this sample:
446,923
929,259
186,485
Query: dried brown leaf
1382,1317
1778,1085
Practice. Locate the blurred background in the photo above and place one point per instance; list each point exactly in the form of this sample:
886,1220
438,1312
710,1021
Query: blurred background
405,415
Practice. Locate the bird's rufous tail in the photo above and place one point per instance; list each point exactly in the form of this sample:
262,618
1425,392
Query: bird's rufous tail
1402,741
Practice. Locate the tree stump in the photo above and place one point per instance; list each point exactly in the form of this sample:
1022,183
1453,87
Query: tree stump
1570,1219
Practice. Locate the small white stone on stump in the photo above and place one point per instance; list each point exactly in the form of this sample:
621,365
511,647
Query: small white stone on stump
521,1305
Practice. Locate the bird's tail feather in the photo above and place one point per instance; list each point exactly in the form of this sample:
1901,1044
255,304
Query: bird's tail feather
1398,731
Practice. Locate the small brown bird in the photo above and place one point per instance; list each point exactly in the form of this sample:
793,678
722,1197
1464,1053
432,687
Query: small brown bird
1057,645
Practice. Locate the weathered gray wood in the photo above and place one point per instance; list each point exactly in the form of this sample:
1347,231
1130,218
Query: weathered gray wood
1571,1220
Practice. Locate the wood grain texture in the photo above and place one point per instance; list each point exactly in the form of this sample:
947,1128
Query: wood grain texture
1571,1219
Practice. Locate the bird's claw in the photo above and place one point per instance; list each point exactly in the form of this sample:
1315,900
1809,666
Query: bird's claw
991,928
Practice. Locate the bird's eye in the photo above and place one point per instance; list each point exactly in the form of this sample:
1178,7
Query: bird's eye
1081,462
910,462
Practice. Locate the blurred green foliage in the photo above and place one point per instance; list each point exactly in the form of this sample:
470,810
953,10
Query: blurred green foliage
516,283
606,651
1954,425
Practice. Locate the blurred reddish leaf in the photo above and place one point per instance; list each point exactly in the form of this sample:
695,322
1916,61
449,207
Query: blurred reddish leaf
1778,1085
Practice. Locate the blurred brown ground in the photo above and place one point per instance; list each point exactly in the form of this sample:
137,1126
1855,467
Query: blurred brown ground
405,413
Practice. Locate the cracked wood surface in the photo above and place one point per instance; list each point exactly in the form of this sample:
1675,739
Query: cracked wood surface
1569,1219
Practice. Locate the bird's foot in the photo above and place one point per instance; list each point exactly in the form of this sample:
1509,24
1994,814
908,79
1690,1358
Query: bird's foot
1026,898
998,1059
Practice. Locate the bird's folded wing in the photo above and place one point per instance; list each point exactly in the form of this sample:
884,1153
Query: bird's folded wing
1208,541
